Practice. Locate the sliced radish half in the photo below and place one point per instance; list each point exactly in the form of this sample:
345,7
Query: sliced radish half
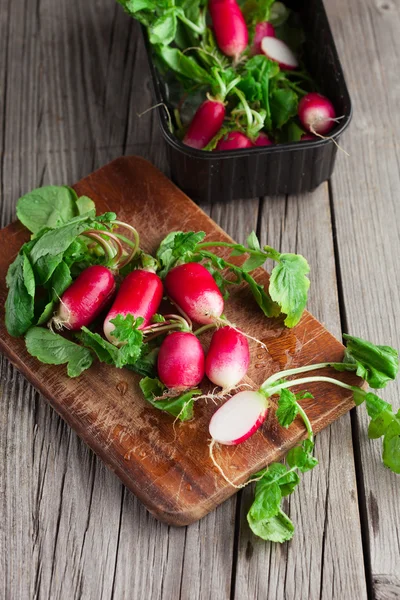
280,52
238,418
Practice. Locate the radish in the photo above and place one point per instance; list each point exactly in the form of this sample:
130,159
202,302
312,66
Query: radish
238,418
316,113
263,140
205,124
140,295
85,298
180,361
262,30
306,137
194,290
279,52
234,141
228,358
229,27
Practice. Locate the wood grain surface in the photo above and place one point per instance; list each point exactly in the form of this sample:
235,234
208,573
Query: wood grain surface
73,78
167,465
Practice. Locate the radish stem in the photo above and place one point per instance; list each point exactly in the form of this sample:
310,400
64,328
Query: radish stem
306,422
270,391
109,249
297,370
204,328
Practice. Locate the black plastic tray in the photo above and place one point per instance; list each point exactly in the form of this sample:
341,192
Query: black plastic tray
280,169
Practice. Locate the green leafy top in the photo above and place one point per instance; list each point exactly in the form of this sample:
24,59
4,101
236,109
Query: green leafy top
288,406
179,406
288,289
128,334
177,246
386,423
53,349
50,258
289,286
51,206
376,364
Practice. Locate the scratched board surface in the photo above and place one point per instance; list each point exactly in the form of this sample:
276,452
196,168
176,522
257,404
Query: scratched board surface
167,464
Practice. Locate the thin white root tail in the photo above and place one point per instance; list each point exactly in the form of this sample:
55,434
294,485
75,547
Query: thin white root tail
56,322
156,106
327,137
224,475
180,412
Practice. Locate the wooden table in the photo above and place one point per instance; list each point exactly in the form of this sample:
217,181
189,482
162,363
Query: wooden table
73,78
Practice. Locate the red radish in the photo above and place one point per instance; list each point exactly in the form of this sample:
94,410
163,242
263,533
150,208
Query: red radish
85,298
205,124
316,113
280,52
238,418
262,30
307,137
229,27
180,361
194,290
234,141
228,358
263,140
140,295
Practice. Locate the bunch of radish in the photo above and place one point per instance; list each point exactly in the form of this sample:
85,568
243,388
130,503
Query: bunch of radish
234,74
181,363
212,127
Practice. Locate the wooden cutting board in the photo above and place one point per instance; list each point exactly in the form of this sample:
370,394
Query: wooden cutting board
168,466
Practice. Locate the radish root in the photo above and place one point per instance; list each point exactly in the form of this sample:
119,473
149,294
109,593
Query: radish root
170,126
327,137
224,475
56,321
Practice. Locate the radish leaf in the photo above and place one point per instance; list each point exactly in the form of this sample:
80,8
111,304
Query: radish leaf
301,457
20,300
127,331
376,364
48,206
163,30
276,529
184,65
60,280
391,445
180,406
104,350
47,252
283,102
288,406
177,246
53,349
265,517
252,242
85,205
289,286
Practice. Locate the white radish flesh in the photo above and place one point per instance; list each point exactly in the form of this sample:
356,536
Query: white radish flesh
238,418
280,52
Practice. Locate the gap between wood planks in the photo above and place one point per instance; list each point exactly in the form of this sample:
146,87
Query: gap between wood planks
362,503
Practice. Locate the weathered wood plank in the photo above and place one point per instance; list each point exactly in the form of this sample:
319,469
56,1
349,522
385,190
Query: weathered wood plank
324,559
367,214
205,547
